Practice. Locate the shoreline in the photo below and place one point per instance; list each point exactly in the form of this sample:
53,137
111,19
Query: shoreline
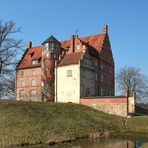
92,136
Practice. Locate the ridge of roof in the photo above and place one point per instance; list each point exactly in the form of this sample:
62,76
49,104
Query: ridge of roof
92,35
95,41
85,36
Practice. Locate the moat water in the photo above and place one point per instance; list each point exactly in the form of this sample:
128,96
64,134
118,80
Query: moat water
98,143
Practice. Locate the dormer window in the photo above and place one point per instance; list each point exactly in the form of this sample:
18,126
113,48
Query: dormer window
35,62
31,54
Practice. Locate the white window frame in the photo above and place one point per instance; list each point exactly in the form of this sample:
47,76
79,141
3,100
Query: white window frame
47,54
33,93
33,72
35,62
33,82
21,93
22,83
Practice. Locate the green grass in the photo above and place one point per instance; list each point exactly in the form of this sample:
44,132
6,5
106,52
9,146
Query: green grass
145,145
141,111
38,122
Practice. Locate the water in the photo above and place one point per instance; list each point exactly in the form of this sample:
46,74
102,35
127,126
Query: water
98,143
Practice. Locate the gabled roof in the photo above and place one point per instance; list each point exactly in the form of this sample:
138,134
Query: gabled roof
51,39
95,41
72,58
26,61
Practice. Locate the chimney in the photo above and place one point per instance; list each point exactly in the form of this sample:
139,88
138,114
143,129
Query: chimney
29,45
105,29
73,43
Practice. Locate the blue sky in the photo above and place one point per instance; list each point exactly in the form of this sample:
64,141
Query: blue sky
127,21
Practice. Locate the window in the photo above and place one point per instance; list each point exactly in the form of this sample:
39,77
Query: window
101,91
46,46
21,93
35,62
31,55
50,45
110,70
22,73
52,55
33,93
110,93
69,73
102,67
33,82
96,76
51,71
22,83
87,92
47,54
102,78
33,72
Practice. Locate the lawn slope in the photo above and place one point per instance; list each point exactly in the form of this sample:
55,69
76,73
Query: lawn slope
39,122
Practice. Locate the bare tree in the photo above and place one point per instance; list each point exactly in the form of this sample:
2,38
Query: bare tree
130,79
8,46
9,86
9,49
47,91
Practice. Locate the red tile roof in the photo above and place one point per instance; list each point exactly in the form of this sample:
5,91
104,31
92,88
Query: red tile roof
95,41
26,61
72,58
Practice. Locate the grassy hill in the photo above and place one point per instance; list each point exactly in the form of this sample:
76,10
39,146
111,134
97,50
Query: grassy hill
39,122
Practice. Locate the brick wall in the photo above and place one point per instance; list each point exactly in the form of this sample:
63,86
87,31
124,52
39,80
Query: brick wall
112,105
24,88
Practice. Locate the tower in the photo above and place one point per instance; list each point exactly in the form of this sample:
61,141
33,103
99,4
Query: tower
50,54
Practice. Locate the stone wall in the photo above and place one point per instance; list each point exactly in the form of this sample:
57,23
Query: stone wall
88,76
117,105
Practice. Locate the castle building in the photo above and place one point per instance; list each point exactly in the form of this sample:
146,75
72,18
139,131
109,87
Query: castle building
65,71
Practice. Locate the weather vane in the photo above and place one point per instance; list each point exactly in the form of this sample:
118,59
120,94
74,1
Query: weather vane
76,32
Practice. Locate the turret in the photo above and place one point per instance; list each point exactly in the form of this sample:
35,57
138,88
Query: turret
50,54
51,47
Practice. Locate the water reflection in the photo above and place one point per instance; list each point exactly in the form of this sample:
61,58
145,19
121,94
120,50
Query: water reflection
99,143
